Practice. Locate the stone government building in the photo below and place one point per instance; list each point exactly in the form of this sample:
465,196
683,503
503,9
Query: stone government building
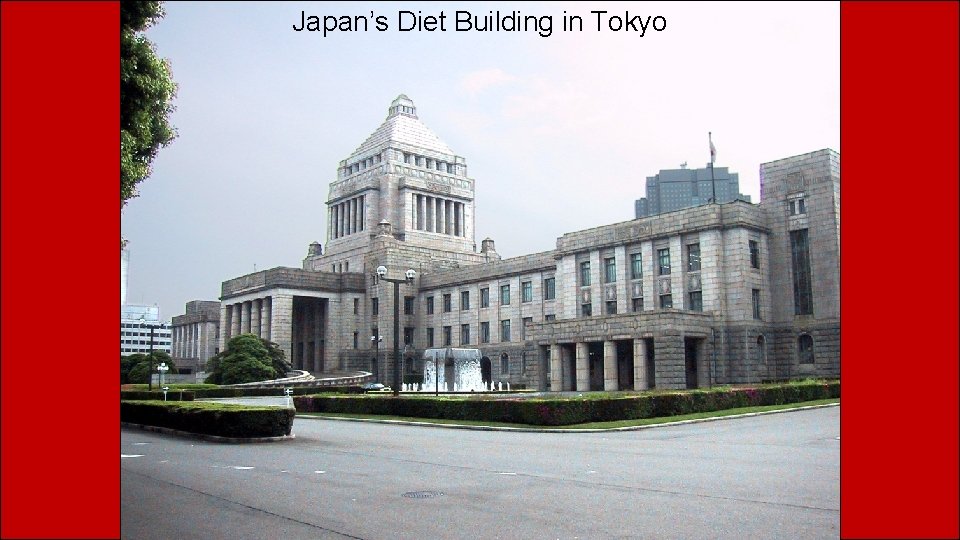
714,294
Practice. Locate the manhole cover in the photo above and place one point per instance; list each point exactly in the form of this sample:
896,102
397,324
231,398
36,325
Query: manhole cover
422,494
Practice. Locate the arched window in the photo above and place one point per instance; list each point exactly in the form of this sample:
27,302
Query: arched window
805,349
504,365
761,349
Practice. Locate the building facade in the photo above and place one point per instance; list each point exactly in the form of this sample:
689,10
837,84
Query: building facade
195,335
714,294
675,189
141,329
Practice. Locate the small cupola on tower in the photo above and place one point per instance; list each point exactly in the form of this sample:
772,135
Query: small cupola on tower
402,105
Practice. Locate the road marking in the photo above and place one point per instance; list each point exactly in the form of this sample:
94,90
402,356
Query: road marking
130,455
283,471
508,473
140,443
320,472
165,461
237,467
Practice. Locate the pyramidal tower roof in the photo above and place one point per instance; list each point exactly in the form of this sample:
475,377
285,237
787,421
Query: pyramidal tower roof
403,126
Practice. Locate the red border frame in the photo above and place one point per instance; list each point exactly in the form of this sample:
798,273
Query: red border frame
59,153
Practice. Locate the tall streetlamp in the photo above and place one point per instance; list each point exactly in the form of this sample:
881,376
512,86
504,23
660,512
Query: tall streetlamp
376,339
143,324
408,278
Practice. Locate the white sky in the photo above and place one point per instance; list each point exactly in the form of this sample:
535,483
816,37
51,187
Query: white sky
559,132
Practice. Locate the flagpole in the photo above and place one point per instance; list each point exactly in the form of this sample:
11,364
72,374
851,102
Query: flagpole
713,183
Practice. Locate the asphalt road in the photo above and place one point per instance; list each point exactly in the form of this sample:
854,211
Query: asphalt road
771,476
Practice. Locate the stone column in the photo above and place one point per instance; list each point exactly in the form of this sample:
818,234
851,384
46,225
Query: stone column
245,314
610,379
255,316
640,381
281,321
236,319
583,367
363,212
225,322
317,333
556,373
441,216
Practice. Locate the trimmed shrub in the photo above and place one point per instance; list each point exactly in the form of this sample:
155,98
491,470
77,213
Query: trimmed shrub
210,418
172,395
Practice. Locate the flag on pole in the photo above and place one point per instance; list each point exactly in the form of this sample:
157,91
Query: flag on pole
713,150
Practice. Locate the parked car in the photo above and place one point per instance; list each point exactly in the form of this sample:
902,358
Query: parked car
375,387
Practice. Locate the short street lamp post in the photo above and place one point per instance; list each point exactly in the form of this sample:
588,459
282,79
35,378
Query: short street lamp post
162,368
152,327
376,339
408,278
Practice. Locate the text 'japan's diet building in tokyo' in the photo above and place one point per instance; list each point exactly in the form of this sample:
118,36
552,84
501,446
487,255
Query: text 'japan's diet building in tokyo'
714,294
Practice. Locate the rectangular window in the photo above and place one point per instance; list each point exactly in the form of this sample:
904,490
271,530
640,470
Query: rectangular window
356,306
375,306
696,301
802,286
408,305
464,300
523,327
637,305
429,337
666,301
754,254
797,207
756,304
464,334
429,305
447,303
505,295
585,274
663,261
549,288
693,257
609,270
586,310
636,266
484,332
505,330
526,291
447,336
356,340
408,335
611,307
550,317
484,297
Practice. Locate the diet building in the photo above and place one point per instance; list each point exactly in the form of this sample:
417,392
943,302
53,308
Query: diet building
713,294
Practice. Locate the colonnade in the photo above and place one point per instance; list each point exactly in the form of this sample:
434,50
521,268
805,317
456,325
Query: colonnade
435,214
562,359
250,317
187,340
347,217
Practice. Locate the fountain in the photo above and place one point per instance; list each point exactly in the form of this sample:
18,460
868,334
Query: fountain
452,370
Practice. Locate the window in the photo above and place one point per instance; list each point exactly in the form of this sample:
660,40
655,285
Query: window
523,363
611,307
663,259
549,288
408,305
550,317
504,365
429,337
356,340
586,310
526,291
464,300
797,207
484,332
408,335
696,301
805,349
505,295
523,327
484,297
666,301
464,334
636,266
356,306
693,257
756,304
375,306
585,274
446,303
505,330
637,305
802,286
754,254
447,337
429,305
609,270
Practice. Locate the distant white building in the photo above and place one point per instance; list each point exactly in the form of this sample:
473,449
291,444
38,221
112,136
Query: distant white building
136,322
124,263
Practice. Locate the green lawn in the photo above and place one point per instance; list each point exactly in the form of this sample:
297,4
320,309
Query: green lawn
591,425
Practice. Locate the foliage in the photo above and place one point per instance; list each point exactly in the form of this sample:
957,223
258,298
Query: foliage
247,358
135,368
146,94
172,395
219,419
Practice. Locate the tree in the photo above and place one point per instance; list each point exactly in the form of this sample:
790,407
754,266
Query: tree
136,367
146,94
247,358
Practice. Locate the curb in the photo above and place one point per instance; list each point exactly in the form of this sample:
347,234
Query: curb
555,430
206,437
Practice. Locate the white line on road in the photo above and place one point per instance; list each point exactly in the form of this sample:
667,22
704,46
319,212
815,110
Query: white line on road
130,455
237,467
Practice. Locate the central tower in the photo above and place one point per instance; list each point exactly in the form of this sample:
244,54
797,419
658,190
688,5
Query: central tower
405,175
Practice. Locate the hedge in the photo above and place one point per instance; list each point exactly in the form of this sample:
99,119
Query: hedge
218,419
172,395
568,411
214,391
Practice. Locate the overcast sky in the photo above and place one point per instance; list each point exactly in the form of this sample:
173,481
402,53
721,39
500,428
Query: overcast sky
559,132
